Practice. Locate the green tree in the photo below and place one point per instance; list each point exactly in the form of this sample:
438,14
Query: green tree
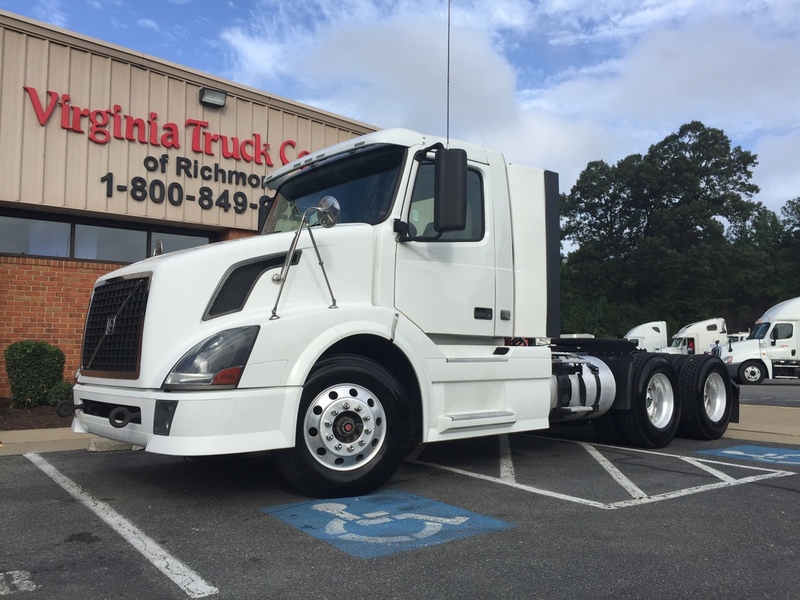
655,236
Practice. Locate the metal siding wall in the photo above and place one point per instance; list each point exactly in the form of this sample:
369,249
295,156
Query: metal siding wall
53,166
13,49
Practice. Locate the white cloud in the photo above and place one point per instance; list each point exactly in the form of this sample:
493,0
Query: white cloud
777,172
50,11
609,78
148,24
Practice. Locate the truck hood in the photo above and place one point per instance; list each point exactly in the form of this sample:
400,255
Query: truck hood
740,351
199,292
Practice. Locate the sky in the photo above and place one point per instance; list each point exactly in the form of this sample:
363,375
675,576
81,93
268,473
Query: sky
551,83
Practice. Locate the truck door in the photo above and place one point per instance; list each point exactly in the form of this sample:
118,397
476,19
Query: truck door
782,344
445,281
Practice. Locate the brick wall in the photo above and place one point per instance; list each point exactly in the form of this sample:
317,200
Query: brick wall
45,299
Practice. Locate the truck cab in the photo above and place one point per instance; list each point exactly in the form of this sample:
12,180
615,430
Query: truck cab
651,337
771,350
699,337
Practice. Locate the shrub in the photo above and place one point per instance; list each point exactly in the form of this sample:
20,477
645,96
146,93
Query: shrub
60,391
33,368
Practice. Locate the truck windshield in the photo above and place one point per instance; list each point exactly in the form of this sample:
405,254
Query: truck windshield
364,182
759,331
678,342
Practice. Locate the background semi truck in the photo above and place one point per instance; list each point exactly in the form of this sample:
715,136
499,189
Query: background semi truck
694,338
651,336
380,308
699,337
772,349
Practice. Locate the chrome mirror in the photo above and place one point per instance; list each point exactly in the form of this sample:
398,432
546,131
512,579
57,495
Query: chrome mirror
330,212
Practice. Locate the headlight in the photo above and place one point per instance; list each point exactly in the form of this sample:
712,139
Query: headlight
729,359
216,361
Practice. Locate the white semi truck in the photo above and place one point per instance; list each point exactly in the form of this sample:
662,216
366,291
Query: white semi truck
694,338
380,308
651,336
699,337
772,349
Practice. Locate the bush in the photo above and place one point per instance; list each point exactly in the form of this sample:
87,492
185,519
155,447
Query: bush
60,391
34,368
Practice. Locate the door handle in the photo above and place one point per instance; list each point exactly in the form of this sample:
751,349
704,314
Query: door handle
482,313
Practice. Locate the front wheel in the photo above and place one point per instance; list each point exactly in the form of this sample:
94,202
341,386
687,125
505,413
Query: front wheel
353,429
751,372
654,414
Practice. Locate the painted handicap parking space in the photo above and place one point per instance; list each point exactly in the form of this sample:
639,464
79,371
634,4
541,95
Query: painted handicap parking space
765,454
384,523
639,476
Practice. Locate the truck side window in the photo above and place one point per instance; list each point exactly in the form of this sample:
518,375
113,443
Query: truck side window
420,216
782,331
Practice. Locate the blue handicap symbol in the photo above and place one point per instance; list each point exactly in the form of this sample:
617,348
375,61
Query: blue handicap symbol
384,522
776,456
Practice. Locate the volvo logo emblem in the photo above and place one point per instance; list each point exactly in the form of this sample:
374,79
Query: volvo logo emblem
110,325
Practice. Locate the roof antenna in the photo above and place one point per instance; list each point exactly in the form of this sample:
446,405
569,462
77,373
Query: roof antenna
448,73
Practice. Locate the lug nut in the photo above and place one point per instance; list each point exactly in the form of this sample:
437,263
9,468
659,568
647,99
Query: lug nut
350,448
358,408
329,437
346,406
338,446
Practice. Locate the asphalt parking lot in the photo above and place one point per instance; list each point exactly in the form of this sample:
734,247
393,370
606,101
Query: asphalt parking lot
550,515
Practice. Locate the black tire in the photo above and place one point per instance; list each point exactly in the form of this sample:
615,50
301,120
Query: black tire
353,429
653,418
752,372
677,361
608,428
706,398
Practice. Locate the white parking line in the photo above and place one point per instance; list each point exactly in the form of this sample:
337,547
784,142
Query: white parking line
638,496
186,579
506,464
621,479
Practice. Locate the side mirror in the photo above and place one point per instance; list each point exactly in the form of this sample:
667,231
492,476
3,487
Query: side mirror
450,190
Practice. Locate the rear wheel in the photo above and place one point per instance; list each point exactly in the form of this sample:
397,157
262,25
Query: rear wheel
707,398
353,429
751,372
654,415
608,428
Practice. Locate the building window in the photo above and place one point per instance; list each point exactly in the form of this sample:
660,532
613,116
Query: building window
177,241
110,244
34,236
24,234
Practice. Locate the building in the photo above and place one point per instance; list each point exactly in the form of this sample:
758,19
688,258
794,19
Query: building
107,153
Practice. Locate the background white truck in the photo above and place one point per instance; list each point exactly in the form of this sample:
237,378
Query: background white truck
694,338
772,350
699,337
375,311
651,337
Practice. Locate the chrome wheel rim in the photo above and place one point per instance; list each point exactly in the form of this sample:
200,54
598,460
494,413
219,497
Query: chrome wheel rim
752,373
714,397
344,427
660,401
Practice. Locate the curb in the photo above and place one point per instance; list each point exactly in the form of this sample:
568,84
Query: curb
58,439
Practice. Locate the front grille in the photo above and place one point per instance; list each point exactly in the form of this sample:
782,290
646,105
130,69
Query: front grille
112,341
